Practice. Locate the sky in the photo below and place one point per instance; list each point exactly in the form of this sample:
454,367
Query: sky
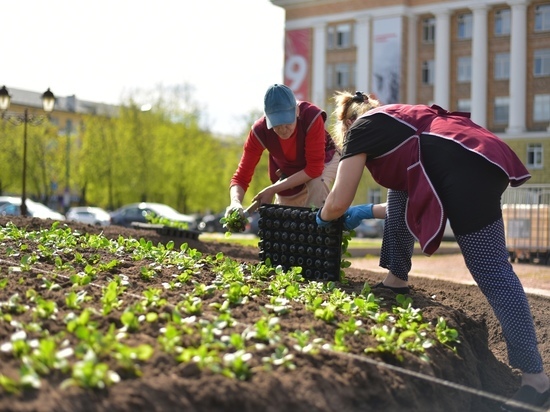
228,51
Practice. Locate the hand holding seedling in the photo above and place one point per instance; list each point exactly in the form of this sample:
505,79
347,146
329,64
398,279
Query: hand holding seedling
234,220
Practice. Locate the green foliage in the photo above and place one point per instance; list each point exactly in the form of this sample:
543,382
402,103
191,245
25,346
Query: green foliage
154,219
43,148
161,155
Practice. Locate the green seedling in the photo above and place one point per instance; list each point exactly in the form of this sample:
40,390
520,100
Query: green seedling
130,321
110,297
281,357
234,222
306,342
9,385
127,356
235,365
91,373
153,298
74,300
445,334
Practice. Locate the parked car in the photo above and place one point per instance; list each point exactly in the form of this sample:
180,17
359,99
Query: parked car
34,209
211,223
9,199
370,228
375,228
252,225
137,212
90,215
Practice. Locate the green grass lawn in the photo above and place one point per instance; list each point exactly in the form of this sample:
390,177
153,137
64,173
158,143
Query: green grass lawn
251,240
356,247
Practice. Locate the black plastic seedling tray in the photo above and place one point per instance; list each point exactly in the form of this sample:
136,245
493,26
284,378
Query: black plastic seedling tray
290,237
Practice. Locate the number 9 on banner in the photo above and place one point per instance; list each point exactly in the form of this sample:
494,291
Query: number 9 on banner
296,72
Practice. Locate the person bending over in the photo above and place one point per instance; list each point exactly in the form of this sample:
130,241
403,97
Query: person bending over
302,155
436,165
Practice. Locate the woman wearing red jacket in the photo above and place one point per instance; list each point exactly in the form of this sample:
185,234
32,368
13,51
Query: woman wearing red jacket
438,165
302,155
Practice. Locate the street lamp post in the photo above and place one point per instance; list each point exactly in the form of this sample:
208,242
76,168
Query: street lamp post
67,192
48,102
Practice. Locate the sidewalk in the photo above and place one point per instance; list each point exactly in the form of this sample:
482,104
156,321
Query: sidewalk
360,251
450,266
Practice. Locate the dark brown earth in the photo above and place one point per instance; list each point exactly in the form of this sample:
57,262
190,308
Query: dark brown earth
475,379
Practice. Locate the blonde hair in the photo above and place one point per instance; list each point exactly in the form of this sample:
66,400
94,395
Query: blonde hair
349,107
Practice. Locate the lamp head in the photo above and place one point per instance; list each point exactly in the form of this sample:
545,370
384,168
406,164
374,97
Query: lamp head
4,99
48,101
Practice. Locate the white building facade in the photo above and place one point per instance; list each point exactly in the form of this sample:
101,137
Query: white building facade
487,57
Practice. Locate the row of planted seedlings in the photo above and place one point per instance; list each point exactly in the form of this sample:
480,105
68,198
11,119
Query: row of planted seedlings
73,306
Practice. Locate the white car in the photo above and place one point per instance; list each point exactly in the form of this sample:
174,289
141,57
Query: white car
35,209
89,214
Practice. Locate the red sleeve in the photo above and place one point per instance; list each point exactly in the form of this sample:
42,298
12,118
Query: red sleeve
252,153
315,148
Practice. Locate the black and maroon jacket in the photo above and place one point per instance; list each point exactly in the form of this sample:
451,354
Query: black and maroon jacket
401,168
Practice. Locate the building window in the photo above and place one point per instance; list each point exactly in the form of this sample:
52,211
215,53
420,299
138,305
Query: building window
502,108
339,76
428,72
502,22
542,63
534,155
342,75
502,66
464,105
374,196
541,110
542,17
465,25
339,36
464,69
428,30
69,127
330,76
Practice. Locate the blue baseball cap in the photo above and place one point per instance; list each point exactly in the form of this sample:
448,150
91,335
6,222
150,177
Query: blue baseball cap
279,106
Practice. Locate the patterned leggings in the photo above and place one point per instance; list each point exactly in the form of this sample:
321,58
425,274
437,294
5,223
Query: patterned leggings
486,258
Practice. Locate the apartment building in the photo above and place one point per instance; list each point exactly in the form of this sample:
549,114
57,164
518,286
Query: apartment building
68,112
487,57
68,116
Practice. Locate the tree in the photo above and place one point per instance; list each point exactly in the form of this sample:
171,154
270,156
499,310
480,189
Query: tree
97,161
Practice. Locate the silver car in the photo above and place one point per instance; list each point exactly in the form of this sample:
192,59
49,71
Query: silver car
89,214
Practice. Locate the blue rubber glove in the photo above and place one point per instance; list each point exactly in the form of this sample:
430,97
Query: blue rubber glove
354,215
321,222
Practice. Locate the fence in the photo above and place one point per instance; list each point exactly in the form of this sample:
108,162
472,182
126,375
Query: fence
526,215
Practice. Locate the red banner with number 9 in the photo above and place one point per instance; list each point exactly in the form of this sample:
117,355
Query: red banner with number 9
297,62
